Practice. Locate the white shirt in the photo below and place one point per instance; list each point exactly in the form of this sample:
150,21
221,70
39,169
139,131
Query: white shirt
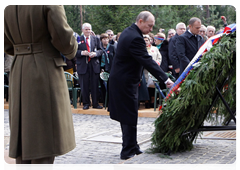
192,33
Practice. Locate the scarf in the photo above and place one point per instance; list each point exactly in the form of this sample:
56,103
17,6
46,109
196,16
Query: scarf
159,45
105,59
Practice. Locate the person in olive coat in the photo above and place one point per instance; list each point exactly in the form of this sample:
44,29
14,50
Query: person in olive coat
41,125
131,56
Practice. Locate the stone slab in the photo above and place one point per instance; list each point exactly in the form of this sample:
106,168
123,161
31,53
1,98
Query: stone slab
116,137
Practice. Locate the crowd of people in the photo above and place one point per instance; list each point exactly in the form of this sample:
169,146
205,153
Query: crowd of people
168,50
162,48
40,117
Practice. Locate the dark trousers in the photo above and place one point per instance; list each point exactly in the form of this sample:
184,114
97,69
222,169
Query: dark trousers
35,164
103,90
129,137
90,79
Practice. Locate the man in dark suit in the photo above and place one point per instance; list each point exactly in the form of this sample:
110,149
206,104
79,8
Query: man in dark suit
88,66
188,43
180,29
126,72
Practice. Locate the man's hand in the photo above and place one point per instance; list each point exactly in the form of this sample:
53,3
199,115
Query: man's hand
169,83
177,70
92,54
224,19
85,52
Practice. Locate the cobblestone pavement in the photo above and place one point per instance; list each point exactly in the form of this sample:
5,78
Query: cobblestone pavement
205,151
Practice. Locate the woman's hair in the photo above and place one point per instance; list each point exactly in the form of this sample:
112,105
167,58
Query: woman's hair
146,36
118,35
103,35
151,35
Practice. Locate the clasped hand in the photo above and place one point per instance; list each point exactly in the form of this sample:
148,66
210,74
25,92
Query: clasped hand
90,54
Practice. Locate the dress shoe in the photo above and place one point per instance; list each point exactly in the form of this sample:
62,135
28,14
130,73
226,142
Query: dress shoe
98,107
147,105
85,107
151,105
126,157
138,152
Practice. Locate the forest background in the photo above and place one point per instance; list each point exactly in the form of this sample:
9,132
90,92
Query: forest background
119,17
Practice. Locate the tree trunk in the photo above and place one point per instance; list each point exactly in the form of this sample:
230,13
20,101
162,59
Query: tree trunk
208,13
81,15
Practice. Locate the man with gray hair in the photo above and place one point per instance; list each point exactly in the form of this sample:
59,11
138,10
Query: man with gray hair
127,68
210,31
202,32
88,66
180,29
188,43
171,33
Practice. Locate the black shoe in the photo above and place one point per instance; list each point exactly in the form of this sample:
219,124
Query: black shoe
85,107
138,152
126,157
98,107
147,105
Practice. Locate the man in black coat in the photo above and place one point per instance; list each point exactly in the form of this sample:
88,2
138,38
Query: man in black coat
188,43
126,72
180,29
88,66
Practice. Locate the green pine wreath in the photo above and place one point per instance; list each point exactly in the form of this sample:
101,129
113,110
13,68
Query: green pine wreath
189,109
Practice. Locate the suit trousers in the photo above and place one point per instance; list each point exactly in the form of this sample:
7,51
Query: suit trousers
89,79
35,164
129,137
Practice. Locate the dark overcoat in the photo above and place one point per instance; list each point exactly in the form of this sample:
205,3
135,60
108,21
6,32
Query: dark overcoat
39,108
126,72
187,46
172,52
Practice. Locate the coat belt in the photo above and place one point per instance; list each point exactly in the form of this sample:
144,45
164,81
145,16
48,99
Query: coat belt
30,48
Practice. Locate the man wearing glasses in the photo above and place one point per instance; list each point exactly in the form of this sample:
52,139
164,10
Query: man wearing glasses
110,36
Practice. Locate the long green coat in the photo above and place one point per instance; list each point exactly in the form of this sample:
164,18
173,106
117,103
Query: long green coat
39,108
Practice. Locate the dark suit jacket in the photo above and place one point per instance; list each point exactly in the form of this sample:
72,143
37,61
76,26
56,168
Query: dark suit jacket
82,60
187,46
172,53
131,57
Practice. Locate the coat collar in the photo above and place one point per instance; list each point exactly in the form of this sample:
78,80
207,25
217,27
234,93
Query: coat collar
134,26
189,34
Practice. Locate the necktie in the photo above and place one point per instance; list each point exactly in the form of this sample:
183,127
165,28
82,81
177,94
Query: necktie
87,44
88,48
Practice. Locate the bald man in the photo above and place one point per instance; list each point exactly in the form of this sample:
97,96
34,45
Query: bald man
131,57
